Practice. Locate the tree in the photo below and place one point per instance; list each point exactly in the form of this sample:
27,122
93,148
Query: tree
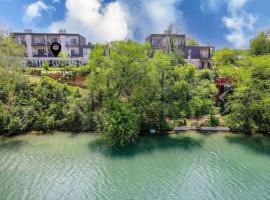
64,58
119,123
260,45
249,104
11,53
45,65
163,63
194,91
191,42
225,56
172,43
118,74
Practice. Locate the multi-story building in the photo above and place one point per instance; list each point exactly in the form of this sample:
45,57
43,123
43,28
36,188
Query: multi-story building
37,47
197,55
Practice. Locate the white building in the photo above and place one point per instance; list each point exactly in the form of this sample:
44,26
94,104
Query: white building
38,47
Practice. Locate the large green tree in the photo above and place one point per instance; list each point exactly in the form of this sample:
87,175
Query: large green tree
249,105
260,45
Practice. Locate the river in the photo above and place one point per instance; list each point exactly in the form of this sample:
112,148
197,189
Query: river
188,166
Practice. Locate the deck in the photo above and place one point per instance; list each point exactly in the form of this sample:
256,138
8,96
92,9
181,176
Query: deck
194,128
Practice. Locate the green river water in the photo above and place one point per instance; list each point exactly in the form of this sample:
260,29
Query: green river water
184,166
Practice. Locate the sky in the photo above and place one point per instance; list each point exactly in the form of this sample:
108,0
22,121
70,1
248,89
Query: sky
222,23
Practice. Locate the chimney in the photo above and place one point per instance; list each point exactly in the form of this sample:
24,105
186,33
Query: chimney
62,31
28,30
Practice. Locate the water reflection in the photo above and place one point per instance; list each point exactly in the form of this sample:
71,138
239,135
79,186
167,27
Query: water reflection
259,143
146,144
7,144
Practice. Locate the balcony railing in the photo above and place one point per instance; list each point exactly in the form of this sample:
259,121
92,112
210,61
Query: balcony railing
43,43
22,42
204,55
156,45
72,43
39,43
39,55
74,54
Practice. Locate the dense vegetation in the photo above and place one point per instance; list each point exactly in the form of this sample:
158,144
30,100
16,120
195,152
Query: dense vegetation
132,89
154,89
248,106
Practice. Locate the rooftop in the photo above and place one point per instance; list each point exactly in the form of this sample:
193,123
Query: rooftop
30,32
163,35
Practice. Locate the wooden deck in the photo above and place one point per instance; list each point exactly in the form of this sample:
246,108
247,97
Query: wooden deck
194,128
215,129
186,128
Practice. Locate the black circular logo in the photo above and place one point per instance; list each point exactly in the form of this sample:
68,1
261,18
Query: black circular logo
55,48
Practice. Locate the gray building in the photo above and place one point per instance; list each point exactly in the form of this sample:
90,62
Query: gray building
197,55
38,51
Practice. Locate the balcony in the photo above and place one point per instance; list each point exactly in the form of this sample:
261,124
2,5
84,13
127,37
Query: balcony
74,55
39,55
39,43
156,46
204,55
22,42
72,44
50,43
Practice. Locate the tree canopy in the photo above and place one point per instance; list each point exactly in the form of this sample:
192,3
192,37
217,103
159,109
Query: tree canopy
260,45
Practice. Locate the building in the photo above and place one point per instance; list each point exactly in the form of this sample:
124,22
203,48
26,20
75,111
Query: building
37,47
197,55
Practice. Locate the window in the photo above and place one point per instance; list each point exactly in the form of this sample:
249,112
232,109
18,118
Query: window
156,42
73,41
41,52
189,53
39,40
74,52
54,40
180,42
20,40
85,52
204,54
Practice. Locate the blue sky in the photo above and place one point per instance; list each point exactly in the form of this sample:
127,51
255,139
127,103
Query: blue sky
223,23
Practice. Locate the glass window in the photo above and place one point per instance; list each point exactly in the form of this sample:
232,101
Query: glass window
204,53
73,41
156,42
189,53
41,52
39,40
180,42
54,40
74,52
85,52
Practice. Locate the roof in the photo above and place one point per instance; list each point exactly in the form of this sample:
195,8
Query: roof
200,46
55,34
163,35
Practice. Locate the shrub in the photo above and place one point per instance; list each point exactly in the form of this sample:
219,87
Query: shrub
213,121
45,65
119,123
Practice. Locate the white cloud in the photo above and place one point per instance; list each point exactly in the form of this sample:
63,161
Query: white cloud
101,22
238,22
211,5
234,5
34,10
215,5
95,21
239,25
151,16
